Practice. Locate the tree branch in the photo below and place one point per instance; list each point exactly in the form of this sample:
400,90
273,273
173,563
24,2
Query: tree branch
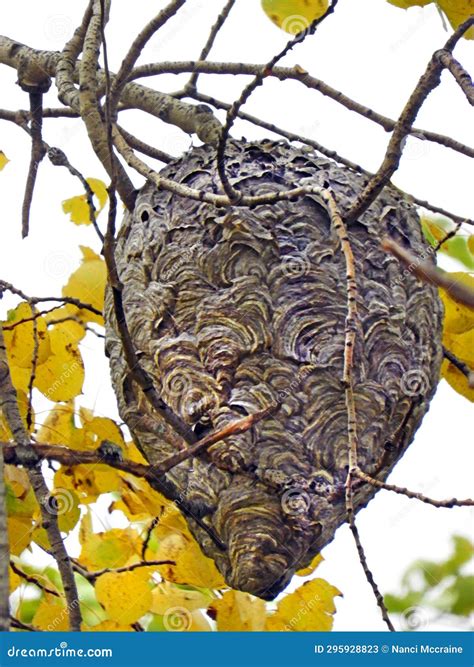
462,77
452,502
429,273
232,194
429,80
135,50
295,73
221,19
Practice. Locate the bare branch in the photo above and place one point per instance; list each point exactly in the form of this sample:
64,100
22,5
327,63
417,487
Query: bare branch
231,193
462,77
5,286
90,108
221,19
452,502
92,576
32,579
295,73
460,365
429,80
136,48
431,274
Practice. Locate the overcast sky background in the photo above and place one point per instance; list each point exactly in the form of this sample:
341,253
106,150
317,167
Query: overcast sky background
369,50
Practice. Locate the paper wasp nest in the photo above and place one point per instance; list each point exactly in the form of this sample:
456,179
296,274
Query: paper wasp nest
233,310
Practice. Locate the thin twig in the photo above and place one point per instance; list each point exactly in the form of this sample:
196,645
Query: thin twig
138,373
221,19
6,286
59,159
4,553
19,625
32,579
136,48
31,381
429,80
462,77
154,522
146,149
451,234
363,560
460,365
452,502
295,73
92,576
89,105
231,193
429,273
352,326
37,154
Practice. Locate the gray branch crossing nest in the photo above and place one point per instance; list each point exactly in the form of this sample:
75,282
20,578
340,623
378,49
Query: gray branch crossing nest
234,310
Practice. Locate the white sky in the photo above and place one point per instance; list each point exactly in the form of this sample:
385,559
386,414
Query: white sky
371,51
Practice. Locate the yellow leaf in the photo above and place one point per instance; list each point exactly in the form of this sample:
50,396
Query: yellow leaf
15,580
3,160
457,317
61,376
126,597
21,500
87,284
305,571
405,4
167,595
74,329
294,16
457,11
111,549
239,612
59,429
66,505
78,208
470,243
192,566
457,380
20,340
310,608
139,501
20,530
102,428
51,615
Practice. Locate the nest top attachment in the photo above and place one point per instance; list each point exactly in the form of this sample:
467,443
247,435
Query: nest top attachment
234,310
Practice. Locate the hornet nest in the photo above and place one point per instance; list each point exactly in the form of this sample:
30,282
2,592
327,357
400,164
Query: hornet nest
233,310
